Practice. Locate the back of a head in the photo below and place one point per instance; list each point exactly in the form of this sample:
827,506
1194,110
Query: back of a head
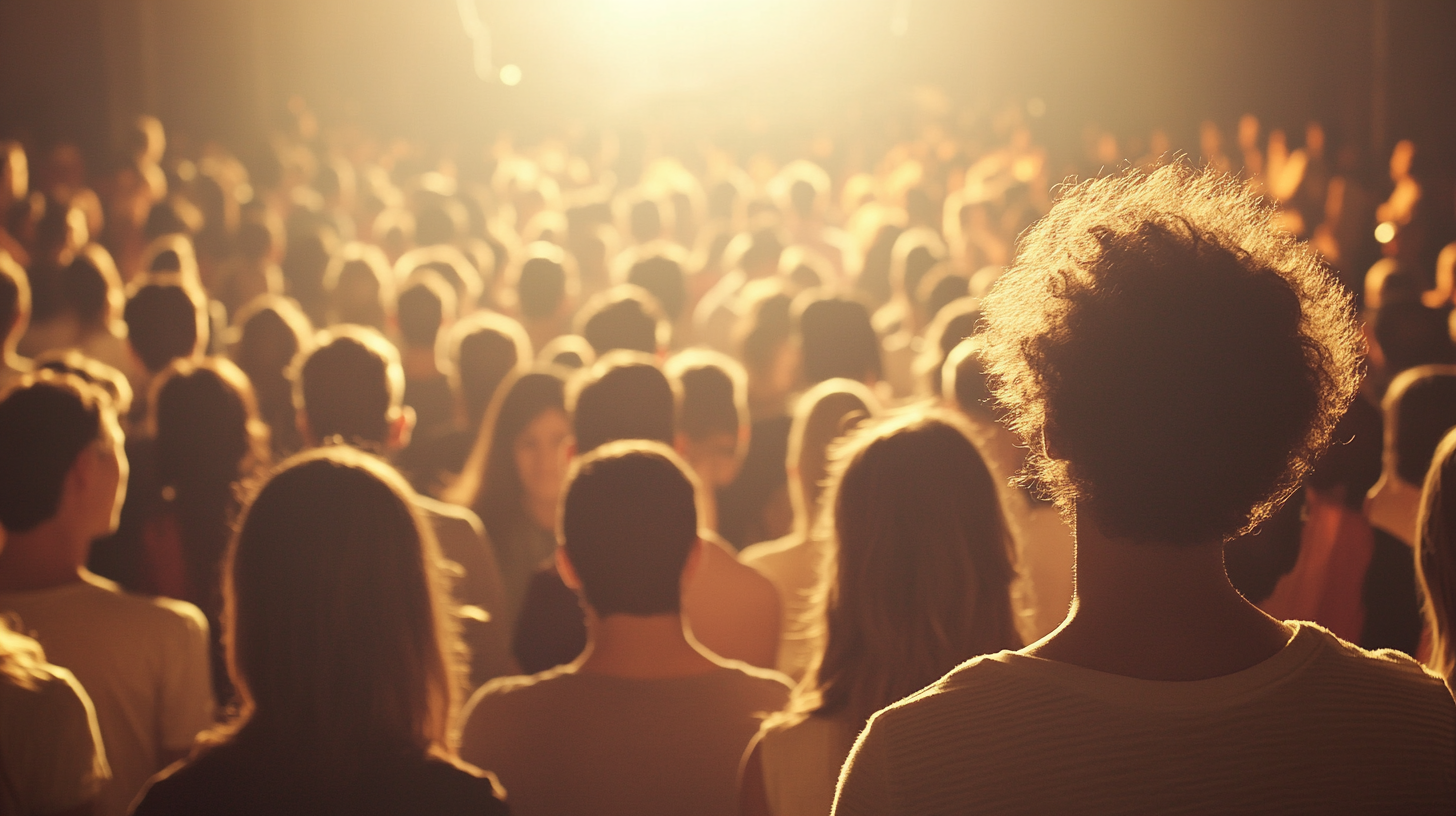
915,515
663,276
623,396
14,301
1188,366
424,306
956,322
714,393
271,333
1420,407
487,348
837,340
1436,555
91,285
624,317
628,523
337,621
95,373
1410,335
570,351
350,386
451,265
964,378
543,283
44,425
164,322
915,252
205,424
360,286
824,413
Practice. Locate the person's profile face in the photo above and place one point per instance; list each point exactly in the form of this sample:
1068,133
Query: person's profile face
540,454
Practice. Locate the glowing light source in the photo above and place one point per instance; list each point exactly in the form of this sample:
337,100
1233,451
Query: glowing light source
1385,232
510,74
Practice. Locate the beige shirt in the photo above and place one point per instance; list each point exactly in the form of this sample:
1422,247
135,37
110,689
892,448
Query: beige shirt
801,764
142,660
563,742
795,565
49,739
1320,727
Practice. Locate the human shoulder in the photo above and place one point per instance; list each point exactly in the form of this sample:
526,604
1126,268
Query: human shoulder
143,611
445,515
768,552
1343,664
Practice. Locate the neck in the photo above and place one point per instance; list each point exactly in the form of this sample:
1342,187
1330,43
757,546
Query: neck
642,646
1158,611
48,556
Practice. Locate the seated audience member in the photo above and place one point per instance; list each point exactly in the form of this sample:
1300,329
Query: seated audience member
1336,540
165,321
53,758
795,563
1177,365
920,582
143,661
14,319
514,476
712,428
359,286
1420,406
341,713
546,288
426,307
836,340
351,387
1436,562
272,332
733,609
624,317
645,720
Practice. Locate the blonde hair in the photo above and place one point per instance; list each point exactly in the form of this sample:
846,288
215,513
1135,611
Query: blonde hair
1435,554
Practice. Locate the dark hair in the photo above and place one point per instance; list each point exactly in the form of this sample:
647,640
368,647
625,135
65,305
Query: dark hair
451,265
14,299
44,425
623,396
543,282
764,329
923,568
349,386
956,322
164,322
339,636
629,521
92,372
663,277
272,332
963,377
360,286
1410,335
1353,460
485,349
624,317
874,281
89,284
1187,359
423,307
490,483
1420,406
837,339
714,392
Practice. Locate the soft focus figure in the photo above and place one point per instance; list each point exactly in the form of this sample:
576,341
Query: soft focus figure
340,713
1436,562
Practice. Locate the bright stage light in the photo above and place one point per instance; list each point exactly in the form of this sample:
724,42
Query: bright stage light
1385,232
510,74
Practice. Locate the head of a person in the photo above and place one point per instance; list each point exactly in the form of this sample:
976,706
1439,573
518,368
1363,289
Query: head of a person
360,287
1436,555
764,338
662,275
713,423
823,415
483,350
14,303
914,254
964,381
569,351
61,457
91,288
757,252
351,386
922,577
624,395
425,306
956,322
624,317
1410,335
546,284
165,321
335,620
801,188
1419,406
92,372
1175,362
836,339
204,420
629,524
521,453
450,264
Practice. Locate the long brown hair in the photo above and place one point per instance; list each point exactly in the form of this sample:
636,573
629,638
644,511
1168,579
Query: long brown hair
1436,555
337,628
924,565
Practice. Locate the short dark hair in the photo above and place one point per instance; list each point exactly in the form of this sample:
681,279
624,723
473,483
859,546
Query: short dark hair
837,339
663,276
544,281
349,385
624,317
422,308
1187,359
1420,406
629,521
714,392
88,283
163,322
44,425
14,297
624,396
485,348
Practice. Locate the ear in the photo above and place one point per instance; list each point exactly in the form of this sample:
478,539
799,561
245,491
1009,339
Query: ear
401,427
566,570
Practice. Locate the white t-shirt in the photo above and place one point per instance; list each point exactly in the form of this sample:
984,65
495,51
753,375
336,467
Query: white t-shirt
49,741
143,661
1320,727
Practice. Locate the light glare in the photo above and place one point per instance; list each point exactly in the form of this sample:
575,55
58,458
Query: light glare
1385,232
510,74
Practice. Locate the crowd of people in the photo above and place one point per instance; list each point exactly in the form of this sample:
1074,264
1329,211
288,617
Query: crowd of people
571,477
